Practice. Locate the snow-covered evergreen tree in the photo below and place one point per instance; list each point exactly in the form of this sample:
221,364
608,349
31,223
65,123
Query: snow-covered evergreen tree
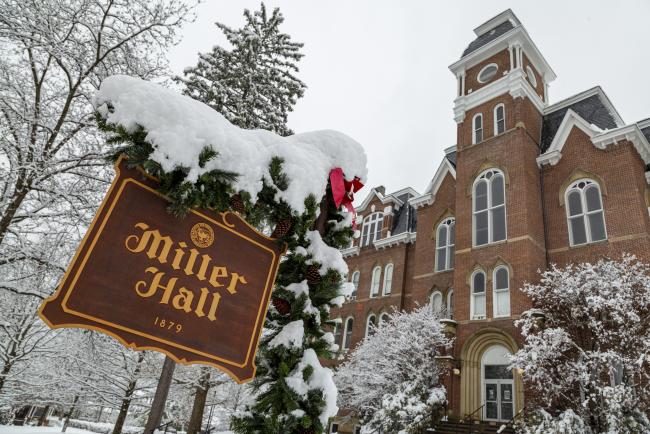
392,379
586,357
253,84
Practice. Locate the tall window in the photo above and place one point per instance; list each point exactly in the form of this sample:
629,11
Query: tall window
388,279
585,215
436,302
450,303
477,304
499,119
375,282
477,128
489,203
501,284
445,239
372,228
371,324
337,333
355,282
347,336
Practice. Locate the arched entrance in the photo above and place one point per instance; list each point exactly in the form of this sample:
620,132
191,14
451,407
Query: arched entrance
487,388
498,384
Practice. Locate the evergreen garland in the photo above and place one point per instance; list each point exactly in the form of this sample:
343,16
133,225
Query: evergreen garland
274,411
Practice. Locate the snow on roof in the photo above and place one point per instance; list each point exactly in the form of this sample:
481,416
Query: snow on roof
179,127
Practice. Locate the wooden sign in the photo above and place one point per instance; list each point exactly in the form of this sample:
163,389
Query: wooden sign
196,288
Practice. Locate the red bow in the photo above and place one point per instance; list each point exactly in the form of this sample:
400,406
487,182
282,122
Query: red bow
343,191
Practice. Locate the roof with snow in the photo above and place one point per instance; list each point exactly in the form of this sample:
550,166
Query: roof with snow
592,105
405,219
488,37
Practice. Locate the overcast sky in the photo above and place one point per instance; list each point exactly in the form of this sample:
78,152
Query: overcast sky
377,70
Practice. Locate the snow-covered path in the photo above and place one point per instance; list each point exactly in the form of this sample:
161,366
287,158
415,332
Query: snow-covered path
11,429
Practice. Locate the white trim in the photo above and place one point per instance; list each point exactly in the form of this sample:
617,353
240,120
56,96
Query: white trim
382,315
490,206
404,237
504,16
474,129
371,315
514,83
478,76
494,116
442,302
517,35
386,274
356,287
429,195
350,251
420,201
344,339
644,124
597,90
631,133
495,305
531,76
373,293
391,198
472,315
448,247
450,303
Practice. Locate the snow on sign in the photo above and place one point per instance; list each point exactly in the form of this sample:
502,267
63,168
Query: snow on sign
195,288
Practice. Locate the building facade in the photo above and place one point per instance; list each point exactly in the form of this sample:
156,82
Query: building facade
529,183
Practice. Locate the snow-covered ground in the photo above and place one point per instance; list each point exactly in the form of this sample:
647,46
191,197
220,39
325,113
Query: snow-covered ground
11,429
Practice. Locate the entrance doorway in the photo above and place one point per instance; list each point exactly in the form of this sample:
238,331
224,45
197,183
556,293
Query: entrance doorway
498,385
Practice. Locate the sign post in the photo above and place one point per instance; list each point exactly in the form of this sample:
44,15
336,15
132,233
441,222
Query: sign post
196,289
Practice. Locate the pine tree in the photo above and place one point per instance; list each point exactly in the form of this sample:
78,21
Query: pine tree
253,85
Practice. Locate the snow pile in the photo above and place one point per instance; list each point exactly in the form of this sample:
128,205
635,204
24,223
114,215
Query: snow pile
290,336
180,127
326,256
321,379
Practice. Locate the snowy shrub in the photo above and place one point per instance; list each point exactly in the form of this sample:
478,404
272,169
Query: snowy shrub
587,348
392,379
103,428
6,414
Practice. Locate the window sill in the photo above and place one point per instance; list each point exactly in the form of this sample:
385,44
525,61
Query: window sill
593,243
443,271
496,243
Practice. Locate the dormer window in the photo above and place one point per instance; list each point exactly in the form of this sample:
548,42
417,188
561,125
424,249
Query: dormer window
487,73
372,226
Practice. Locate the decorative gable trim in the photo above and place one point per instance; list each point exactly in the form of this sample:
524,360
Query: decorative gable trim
387,199
403,238
430,193
598,91
632,133
350,251
554,153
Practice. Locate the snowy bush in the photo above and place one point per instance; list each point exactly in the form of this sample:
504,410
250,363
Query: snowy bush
587,348
392,379
103,428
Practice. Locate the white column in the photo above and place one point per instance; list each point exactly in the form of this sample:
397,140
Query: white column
512,65
462,86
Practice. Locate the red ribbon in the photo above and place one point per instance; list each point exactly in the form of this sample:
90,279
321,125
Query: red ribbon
343,191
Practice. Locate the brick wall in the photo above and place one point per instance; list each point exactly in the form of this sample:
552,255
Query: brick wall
502,59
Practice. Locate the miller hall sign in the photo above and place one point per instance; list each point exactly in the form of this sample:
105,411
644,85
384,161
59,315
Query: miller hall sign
195,288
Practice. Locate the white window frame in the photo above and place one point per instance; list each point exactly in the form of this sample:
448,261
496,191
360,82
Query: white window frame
585,213
496,292
496,119
490,208
383,318
449,223
388,279
473,296
474,129
375,281
373,221
531,76
369,321
345,342
442,302
450,303
478,76
356,274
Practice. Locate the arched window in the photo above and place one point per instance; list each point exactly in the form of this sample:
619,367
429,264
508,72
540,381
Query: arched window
375,282
450,303
477,128
489,216
383,319
501,288
499,119
477,304
347,336
371,324
337,333
372,228
445,240
436,302
584,207
388,279
355,281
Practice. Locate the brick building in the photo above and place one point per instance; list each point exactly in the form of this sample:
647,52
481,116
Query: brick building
528,184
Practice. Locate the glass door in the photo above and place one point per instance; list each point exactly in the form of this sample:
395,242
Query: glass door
498,393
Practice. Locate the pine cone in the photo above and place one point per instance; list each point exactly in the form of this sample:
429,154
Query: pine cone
313,275
237,204
281,305
282,228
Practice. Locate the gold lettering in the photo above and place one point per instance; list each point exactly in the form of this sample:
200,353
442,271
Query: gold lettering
199,306
169,288
176,263
141,242
217,272
213,307
204,267
183,301
154,247
236,278
189,267
140,284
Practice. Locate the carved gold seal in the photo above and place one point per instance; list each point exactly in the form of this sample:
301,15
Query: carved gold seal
202,235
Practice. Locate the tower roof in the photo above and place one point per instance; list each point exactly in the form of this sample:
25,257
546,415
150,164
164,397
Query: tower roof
492,29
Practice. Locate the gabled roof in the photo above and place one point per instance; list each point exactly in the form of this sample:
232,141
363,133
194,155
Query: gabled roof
397,198
592,105
446,167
